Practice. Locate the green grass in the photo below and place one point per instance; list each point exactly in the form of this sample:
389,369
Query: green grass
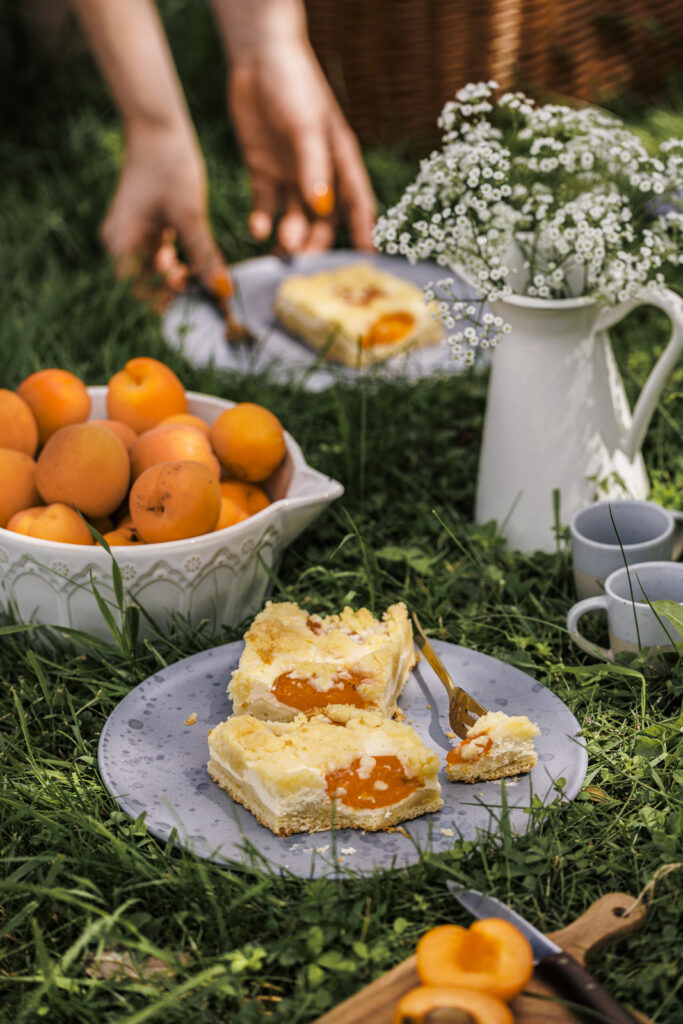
79,876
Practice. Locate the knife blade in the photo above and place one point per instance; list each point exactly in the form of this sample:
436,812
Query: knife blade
552,963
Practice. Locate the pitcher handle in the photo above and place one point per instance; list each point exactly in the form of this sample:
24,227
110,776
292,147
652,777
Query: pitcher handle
671,304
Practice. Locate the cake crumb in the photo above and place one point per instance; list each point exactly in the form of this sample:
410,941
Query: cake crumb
450,735
446,831
348,850
322,849
192,720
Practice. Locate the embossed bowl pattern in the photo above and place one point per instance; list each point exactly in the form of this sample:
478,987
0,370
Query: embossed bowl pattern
221,577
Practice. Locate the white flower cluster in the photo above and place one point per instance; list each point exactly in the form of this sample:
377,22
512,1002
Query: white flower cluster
547,201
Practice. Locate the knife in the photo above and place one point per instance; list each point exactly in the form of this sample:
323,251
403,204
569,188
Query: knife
552,963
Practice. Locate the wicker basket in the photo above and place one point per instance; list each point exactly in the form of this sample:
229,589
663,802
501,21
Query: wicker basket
394,63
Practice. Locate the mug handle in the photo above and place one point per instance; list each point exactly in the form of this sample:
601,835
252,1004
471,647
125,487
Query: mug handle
576,612
678,534
671,304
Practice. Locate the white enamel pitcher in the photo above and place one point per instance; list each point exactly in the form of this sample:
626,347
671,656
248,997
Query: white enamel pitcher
557,416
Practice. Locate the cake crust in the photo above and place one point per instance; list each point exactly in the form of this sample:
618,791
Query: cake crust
285,772
496,746
296,661
357,314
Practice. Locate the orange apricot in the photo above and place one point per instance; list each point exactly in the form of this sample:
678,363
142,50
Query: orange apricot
17,483
84,466
144,393
249,441
18,427
189,420
490,956
174,500
57,398
122,430
101,523
420,1005
56,522
250,497
123,536
174,443
230,514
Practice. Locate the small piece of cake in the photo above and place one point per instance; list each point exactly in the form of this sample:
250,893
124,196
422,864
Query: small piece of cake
343,769
495,746
357,314
294,661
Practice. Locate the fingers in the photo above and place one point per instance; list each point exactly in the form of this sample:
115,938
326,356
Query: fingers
355,190
204,256
264,206
314,171
293,229
320,237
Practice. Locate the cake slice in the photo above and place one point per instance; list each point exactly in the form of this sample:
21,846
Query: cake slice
495,746
343,769
294,661
357,314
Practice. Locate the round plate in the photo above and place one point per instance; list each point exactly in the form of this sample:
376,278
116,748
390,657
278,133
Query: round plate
193,325
152,762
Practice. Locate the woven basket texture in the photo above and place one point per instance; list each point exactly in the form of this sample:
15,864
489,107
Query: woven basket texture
394,63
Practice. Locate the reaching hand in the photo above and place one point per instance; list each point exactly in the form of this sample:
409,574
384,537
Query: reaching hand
162,196
303,159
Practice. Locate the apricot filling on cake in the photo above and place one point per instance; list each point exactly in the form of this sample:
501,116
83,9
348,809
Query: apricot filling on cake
497,745
295,661
357,314
342,769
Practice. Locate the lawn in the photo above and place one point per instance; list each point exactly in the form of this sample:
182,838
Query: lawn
80,878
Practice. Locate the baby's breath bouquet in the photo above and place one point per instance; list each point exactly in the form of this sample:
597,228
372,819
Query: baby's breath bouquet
545,201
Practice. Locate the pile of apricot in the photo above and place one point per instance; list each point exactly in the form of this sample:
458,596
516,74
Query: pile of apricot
150,472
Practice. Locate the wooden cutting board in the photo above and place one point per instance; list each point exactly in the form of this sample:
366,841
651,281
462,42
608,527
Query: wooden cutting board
601,924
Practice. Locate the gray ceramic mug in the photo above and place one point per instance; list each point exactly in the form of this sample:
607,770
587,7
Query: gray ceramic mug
631,622
648,533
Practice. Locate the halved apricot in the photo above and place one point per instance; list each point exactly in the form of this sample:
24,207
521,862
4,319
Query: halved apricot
429,1004
490,956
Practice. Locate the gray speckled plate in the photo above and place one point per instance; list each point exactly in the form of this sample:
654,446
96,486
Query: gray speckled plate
151,762
193,325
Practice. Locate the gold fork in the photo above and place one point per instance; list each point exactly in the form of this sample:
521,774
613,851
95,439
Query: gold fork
463,709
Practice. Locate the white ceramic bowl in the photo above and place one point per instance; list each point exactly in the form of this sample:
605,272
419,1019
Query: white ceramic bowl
222,577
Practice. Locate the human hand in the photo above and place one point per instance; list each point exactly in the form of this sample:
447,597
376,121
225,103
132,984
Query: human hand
162,196
303,159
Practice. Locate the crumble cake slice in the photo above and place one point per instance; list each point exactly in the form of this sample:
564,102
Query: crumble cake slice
357,314
342,769
496,745
294,661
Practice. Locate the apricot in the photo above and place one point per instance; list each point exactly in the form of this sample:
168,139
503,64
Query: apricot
123,536
249,441
421,1005
144,393
17,483
57,399
174,500
230,514
174,443
56,522
189,420
18,427
122,430
250,497
490,956
84,466
101,523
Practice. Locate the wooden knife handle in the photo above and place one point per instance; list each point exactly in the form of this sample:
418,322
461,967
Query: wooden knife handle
564,974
